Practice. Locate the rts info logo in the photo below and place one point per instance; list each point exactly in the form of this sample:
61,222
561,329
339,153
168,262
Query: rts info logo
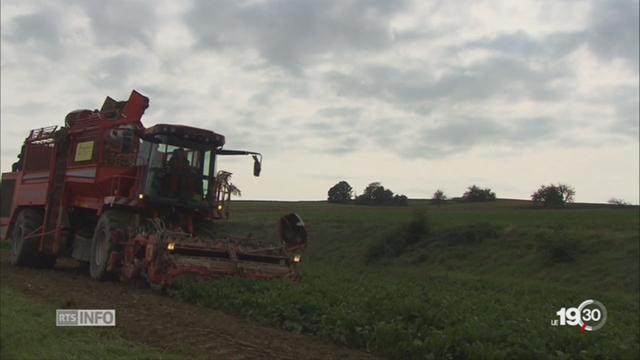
589,316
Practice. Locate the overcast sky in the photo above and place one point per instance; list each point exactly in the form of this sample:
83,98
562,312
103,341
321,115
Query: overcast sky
418,95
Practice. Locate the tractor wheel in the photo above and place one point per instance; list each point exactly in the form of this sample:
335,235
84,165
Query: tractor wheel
24,252
101,244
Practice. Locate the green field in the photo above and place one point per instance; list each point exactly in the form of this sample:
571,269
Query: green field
477,280
28,332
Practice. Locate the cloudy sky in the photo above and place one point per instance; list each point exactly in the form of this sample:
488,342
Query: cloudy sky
418,95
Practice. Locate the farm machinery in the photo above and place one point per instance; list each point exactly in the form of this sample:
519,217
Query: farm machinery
134,202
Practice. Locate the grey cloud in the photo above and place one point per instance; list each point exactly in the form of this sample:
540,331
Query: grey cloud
114,70
28,108
250,130
262,98
532,130
38,30
498,76
419,35
626,119
116,23
524,45
288,33
328,131
316,134
519,42
119,23
39,27
344,111
627,122
239,137
339,144
345,145
464,134
617,118
291,87
611,32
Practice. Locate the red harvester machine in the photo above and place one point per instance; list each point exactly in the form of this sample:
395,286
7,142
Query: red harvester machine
134,201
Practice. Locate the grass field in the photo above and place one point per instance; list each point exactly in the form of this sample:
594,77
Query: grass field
478,280
27,331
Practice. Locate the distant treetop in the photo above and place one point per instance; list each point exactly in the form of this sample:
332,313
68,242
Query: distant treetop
553,195
340,193
376,194
438,197
476,194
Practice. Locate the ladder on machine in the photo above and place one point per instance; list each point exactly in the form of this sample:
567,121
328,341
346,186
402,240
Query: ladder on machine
53,226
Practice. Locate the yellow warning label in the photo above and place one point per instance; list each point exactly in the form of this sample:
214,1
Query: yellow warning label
84,151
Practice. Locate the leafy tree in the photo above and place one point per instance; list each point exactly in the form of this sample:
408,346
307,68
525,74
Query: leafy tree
476,194
340,193
400,200
376,194
553,195
438,197
568,192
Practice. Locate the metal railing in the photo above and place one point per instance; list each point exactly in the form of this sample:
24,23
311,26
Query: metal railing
42,133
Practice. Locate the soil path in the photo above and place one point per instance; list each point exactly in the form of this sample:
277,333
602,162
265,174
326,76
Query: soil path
165,323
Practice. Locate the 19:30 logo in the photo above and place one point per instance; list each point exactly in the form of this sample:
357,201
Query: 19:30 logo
589,316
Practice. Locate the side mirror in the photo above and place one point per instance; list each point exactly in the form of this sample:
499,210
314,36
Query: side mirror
257,166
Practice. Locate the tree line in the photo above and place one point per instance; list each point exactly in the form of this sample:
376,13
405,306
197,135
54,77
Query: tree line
375,194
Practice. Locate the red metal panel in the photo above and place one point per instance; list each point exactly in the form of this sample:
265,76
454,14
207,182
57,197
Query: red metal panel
8,201
37,157
135,107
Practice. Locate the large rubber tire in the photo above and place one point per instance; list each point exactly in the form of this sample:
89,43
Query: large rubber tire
101,244
24,252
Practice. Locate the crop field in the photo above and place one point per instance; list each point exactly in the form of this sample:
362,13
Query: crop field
454,281
27,321
474,281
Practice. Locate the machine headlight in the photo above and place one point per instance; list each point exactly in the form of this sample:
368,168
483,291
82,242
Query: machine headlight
141,196
219,207
297,258
171,246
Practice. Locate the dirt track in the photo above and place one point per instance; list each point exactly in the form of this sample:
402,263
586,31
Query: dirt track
165,323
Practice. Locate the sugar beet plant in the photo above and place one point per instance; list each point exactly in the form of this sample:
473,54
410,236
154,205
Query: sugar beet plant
415,320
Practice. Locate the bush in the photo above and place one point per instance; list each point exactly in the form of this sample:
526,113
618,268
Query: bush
438,197
553,195
559,246
340,193
387,247
395,242
418,228
476,194
400,200
376,194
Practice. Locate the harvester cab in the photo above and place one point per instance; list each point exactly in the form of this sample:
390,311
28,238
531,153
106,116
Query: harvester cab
135,201
178,168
